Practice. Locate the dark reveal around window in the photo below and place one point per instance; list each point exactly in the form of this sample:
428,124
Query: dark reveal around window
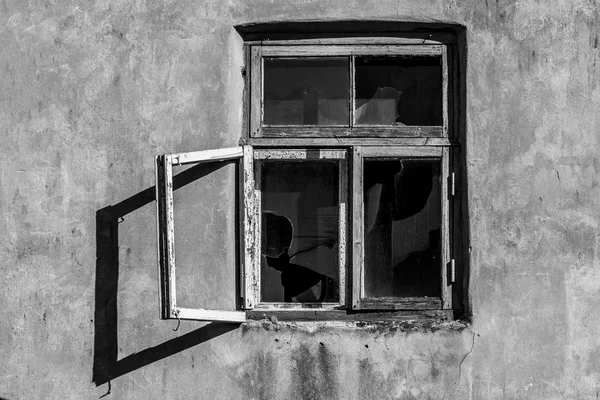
398,91
402,214
306,91
299,241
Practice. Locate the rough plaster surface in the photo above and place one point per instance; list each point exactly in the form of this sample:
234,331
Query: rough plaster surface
91,91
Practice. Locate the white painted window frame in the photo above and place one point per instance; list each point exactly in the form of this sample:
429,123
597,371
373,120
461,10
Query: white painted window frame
166,235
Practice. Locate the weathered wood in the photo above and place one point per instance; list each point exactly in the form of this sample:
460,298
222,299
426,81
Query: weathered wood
342,315
256,89
203,156
197,314
357,228
163,284
458,232
349,141
406,151
444,92
362,131
299,154
171,299
244,224
389,35
446,286
343,227
166,235
352,90
401,303
249,238
257,217
454,92
348,50
298,306
419,39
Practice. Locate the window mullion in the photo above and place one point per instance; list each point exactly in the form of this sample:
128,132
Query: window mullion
343,229
352,89
357,228
251,231
444,92
256,84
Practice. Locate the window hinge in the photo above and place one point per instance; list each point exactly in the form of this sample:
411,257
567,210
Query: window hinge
451,271
452,183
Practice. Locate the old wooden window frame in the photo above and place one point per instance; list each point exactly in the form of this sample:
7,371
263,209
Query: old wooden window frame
253,218
359,301
166,235
325,49
350,145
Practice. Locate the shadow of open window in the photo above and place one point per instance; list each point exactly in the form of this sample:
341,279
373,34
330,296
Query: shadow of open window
106,365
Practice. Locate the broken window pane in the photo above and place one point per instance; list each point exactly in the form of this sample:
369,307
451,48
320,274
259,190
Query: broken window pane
402,215
306,91
398,91
299,243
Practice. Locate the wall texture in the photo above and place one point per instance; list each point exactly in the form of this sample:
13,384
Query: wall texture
91,91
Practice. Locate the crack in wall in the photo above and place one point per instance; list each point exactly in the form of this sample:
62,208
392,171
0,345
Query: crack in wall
461,363
465,357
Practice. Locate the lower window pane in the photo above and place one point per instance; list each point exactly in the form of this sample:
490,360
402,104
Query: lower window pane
299,241
402,215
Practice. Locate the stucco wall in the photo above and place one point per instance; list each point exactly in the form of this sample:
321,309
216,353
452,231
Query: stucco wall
91,91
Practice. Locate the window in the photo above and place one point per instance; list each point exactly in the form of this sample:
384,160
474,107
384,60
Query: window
349,183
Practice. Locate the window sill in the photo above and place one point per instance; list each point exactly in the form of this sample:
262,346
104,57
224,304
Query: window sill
354,316
400,322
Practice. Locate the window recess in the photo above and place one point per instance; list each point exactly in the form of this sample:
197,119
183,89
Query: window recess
349,180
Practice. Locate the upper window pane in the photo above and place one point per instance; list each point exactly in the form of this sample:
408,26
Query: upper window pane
306,91
398,91
402,223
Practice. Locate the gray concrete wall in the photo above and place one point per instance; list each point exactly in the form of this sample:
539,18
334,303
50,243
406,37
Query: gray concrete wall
91,91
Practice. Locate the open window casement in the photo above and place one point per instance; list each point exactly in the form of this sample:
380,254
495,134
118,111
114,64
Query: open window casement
170,300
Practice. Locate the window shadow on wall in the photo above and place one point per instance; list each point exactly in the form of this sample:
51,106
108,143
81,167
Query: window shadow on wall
106,365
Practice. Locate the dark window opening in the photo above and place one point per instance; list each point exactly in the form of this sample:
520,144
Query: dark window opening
299,202
306,91
402,227
398,91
